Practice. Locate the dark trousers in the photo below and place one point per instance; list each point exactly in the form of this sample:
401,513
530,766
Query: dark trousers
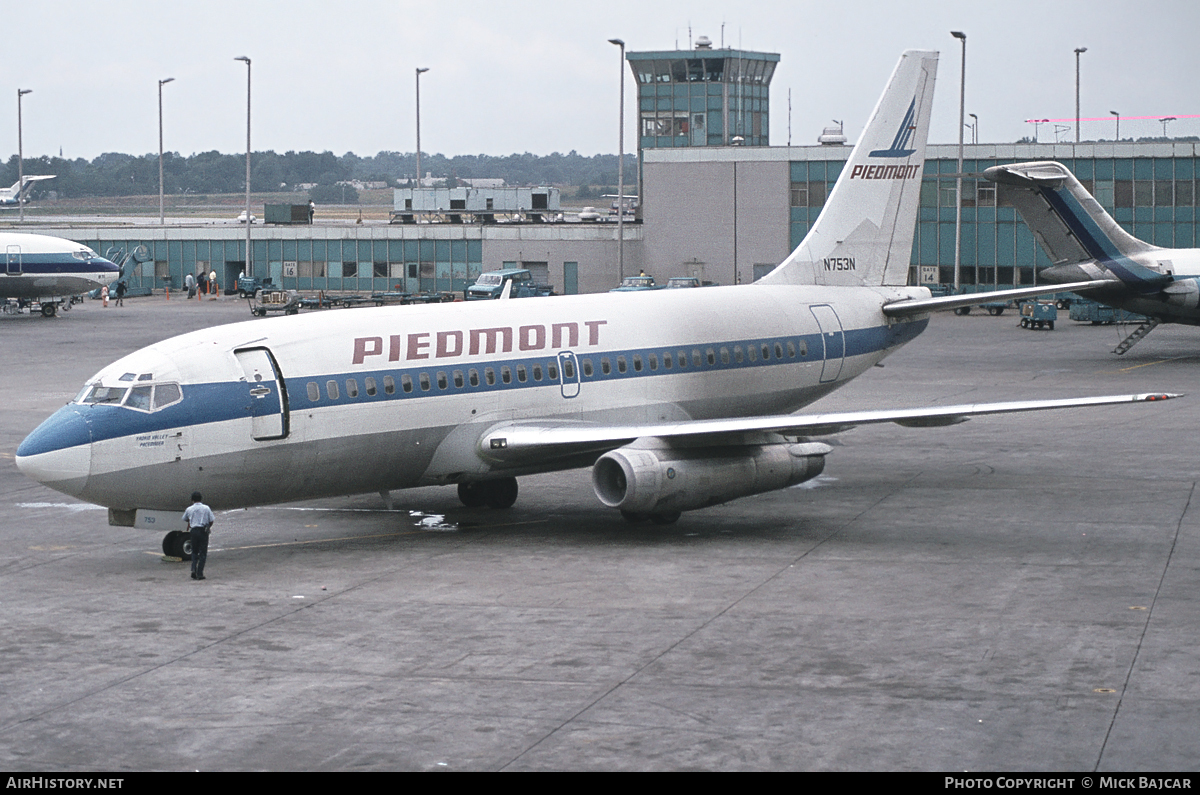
199,550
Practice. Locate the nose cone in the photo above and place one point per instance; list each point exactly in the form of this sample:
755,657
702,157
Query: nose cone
109,271
58,453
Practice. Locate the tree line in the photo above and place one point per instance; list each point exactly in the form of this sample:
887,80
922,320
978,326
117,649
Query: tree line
115,174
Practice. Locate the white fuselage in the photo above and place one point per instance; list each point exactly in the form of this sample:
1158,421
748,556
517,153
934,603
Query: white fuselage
375,399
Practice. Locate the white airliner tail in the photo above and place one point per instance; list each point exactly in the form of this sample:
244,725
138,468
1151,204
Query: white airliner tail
864,235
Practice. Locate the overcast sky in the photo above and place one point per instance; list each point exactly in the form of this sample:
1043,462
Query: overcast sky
541,77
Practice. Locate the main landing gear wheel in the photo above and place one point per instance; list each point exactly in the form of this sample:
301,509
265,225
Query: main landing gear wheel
501,493
49,310
177,544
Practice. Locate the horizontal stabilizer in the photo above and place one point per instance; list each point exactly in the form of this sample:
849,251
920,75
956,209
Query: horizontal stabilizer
941,303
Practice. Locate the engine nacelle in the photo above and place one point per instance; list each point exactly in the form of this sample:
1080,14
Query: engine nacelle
650,477
1183,293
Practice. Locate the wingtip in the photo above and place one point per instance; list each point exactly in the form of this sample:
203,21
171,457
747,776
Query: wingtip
1157,396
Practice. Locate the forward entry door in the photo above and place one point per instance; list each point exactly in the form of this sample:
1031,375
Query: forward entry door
265,394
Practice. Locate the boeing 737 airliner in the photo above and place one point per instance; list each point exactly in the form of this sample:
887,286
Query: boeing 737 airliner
677,399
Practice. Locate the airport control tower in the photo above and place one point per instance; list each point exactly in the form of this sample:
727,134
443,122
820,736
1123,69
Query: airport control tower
703,97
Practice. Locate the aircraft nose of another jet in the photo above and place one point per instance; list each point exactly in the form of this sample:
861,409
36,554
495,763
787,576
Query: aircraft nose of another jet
58,453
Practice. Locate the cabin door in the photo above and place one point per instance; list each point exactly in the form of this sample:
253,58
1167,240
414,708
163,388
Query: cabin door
12,258
834,340
266,396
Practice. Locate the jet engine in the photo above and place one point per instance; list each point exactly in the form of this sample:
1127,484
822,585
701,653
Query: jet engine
1184,293
652,478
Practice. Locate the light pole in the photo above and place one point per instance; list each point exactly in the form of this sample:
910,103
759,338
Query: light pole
1164,121
1078,51
621,170
420,69
21,155
161,83
249,253
962,106
974,128
1118,115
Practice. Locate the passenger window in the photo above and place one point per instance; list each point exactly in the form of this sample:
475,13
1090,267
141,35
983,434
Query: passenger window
424,379
654,361
458,379
522,373
351,388
587,367
752,353
406,383
166,394
537,372
621,366
637,363
667,360
778,351
314,391
331,389
489,375
791,350
552,371
605,366
803,348
441,380
370,384
696,357
139,398
506,375
711,355
473,376
389,385
766,351
568,368
737,353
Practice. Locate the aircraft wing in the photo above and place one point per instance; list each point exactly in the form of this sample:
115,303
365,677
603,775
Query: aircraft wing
524,442
920,306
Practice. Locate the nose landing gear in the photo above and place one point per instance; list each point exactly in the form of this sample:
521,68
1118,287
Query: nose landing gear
177,544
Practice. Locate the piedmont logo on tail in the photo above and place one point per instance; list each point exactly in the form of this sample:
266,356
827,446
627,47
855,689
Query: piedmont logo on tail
677,399
1085,243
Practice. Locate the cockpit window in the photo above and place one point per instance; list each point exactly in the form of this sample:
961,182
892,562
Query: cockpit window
139,398
143,397
127,377
165,395
105,394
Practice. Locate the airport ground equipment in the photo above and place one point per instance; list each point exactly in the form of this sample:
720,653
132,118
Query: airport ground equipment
992,307
490,286
1039,314
248,286
1084,311
264,301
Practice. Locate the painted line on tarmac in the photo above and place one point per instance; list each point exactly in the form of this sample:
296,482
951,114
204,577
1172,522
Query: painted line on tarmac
354,538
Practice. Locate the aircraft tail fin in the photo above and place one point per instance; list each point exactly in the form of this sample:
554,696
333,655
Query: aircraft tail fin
1069,224
864,234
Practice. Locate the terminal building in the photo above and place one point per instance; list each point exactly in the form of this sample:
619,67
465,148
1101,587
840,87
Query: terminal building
717,201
